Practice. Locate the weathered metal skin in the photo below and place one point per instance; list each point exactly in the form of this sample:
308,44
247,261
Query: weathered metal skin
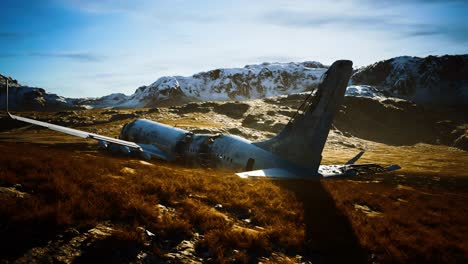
219,150
148,132
235,152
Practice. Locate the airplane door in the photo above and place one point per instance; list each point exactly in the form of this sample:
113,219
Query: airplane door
250,164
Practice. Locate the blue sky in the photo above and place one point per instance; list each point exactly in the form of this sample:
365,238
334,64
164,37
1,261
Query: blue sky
82,48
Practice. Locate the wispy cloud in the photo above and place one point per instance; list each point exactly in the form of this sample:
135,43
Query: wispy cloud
77,56
289,18
389,23
458,33
104,6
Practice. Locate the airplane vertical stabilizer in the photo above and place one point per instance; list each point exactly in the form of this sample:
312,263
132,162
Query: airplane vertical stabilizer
303,138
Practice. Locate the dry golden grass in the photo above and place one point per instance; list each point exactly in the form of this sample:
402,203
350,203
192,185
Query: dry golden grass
420,212
421,158
416,220
69,189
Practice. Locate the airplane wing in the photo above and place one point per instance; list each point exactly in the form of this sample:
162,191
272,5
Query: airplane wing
141,148
77,133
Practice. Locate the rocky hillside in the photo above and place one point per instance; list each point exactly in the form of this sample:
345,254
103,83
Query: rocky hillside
32,98
250,82
433,79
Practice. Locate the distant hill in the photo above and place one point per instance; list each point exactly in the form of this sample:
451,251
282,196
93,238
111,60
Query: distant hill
430,80
32,98
433,79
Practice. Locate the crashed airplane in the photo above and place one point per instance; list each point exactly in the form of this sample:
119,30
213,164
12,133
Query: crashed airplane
295,153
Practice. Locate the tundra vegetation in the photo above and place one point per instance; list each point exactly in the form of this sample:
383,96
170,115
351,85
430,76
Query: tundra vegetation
58,192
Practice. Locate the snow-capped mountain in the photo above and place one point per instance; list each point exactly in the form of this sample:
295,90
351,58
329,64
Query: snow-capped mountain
433,79
250,82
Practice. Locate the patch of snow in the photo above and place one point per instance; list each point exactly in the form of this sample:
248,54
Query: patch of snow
364,91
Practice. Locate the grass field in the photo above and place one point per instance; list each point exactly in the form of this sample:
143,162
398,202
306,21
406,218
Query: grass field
417,214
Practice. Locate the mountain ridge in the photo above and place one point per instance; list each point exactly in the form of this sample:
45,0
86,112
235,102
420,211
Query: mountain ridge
429,80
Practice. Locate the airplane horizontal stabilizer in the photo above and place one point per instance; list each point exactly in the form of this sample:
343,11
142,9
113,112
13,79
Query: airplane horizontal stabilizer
272,173
353,160
393,167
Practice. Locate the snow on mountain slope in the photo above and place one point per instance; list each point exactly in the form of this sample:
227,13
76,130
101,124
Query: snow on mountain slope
103,102
250,82
365,91
433,79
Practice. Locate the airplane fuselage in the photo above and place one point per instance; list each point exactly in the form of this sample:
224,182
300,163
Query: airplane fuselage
227,151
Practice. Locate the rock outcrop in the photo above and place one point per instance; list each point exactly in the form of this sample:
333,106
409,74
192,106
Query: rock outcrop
433,79
32,98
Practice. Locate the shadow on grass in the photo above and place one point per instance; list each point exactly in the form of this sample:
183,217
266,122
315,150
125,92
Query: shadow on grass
329,235
109,250
16,240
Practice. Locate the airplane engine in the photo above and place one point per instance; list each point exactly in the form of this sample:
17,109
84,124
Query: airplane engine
147,132
117,149
145,155
103,144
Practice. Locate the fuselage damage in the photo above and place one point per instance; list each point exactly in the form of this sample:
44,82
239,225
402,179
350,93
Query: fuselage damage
227,151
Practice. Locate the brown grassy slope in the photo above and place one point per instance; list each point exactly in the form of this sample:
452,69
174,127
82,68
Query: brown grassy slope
72,189
73,186
417,214
407,221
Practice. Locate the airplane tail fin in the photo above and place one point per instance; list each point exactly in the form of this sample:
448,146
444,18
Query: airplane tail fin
303,138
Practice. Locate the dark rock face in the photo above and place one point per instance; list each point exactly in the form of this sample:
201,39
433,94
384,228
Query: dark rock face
391,121
400,122
434,79
117,117
12,82
233,110
192,108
